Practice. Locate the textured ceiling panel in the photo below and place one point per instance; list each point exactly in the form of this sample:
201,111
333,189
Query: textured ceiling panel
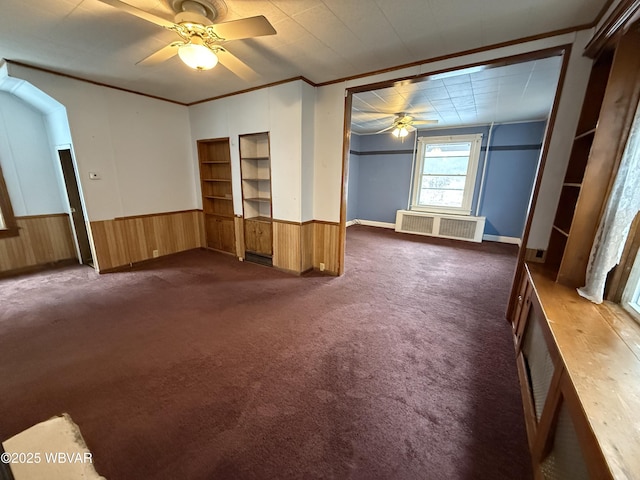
513,93
320,39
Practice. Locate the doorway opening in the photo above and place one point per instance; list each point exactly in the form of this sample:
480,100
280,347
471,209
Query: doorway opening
510,101
78,220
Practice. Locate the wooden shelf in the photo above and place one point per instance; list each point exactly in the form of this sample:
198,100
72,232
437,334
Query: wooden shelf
585,134
217,194
258,199
216,197
561,231
211,214
255,168
260,219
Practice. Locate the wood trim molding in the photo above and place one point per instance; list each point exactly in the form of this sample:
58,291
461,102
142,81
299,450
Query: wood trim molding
131,266
45,215
6,210
325,222
546,142
620,20
472,51
287,222
147,215
494,63
252,89
39,267
92,82
463,53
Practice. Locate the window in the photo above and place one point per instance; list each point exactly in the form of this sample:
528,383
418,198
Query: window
631,295
8,226
445,175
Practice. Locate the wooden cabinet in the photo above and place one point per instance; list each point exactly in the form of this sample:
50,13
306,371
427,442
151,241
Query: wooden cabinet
573,369
257,236
255,166
217,195
604,124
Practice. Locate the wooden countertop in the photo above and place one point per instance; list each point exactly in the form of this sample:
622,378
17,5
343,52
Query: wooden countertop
600,347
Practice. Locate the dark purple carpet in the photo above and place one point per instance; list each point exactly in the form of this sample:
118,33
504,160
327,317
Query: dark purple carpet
198,366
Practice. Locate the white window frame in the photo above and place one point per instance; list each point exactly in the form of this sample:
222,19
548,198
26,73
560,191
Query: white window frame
470,181
631,294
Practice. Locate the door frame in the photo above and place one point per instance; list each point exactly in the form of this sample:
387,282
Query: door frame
83,211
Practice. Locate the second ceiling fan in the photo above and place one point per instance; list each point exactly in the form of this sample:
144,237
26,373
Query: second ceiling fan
200,41
403,124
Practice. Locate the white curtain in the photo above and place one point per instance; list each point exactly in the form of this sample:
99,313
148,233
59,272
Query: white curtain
622,206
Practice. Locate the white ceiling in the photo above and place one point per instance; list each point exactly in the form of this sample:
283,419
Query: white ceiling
512,93
322,40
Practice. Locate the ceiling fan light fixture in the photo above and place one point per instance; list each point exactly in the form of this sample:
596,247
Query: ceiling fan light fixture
197,56
400,132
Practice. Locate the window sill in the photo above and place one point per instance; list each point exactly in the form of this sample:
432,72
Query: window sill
446,211
599,346
9,232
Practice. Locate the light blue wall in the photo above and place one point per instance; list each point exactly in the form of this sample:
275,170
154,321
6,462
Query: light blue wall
383,178
380,179
509,177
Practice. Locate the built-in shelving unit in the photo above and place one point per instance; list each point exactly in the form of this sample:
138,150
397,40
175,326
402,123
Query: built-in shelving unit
255,166
568,213
217,194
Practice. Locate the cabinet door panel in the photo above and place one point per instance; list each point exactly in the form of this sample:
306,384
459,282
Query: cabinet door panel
264,242
250,236
213,233
227,236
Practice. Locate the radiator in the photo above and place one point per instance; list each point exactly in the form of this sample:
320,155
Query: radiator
440,225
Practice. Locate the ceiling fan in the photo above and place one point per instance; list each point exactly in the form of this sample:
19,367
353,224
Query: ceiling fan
403,124
200,41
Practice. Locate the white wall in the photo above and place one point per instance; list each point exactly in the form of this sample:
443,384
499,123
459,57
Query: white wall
144,149
308,145
329,127
277,110
139,146
28,162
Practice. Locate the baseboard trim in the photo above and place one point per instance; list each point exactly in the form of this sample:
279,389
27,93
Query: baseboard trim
502,239
352,222
40,267
130,266
373,223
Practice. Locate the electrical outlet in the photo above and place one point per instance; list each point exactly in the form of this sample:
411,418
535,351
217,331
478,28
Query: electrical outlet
156,254
322,267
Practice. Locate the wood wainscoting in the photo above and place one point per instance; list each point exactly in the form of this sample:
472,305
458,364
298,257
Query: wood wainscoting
128,240
299,247
42,240
326,246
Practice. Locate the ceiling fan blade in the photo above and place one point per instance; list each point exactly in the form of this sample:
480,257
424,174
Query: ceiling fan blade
387,113
386,129
165,53
244,28
235,65
149,17
424,122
